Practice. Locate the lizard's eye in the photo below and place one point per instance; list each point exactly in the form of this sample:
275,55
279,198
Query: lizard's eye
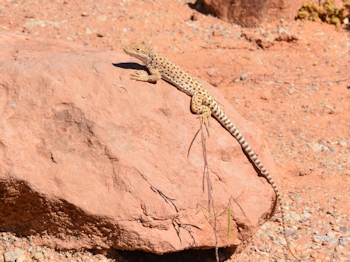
137,49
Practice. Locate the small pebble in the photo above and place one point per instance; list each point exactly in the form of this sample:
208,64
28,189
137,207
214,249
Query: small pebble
305,213
295,216
340,249
244,76
88,31
38,256
101,18
343,143
281,30
334,241
321,239
331,234
21,258
212,71
343,229
343,241
12,255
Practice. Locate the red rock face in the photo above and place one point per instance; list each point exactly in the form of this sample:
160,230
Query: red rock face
243,12
251,13
92,159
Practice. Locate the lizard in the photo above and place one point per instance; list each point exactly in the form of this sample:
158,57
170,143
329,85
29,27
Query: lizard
202,103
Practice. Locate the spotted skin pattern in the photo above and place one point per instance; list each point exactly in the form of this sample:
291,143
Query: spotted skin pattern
202,103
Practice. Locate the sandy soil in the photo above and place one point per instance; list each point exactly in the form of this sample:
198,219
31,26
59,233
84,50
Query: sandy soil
296,89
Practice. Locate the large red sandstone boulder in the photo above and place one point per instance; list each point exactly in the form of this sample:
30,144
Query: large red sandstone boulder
91,159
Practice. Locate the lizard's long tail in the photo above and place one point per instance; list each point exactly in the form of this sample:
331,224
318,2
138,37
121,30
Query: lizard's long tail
223,119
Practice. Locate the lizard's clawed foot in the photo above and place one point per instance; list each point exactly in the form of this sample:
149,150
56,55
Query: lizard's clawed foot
140,76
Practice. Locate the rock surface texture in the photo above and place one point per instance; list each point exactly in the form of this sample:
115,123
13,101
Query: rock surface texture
251,13
91,159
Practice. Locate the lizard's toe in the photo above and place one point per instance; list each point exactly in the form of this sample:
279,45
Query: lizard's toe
141,76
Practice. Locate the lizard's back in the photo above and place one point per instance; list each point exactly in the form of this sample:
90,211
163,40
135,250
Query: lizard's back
175,74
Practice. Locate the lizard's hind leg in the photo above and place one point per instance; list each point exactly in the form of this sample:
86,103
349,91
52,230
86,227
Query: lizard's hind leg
204,111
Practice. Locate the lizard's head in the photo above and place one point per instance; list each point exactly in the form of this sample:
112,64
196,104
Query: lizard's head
140,51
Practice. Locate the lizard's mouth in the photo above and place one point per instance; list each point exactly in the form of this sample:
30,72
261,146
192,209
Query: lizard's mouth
126,50
131,53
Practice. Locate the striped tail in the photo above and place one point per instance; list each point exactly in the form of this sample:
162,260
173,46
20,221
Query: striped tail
223,119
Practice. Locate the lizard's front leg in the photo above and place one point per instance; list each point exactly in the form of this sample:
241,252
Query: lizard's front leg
198,107
143,76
